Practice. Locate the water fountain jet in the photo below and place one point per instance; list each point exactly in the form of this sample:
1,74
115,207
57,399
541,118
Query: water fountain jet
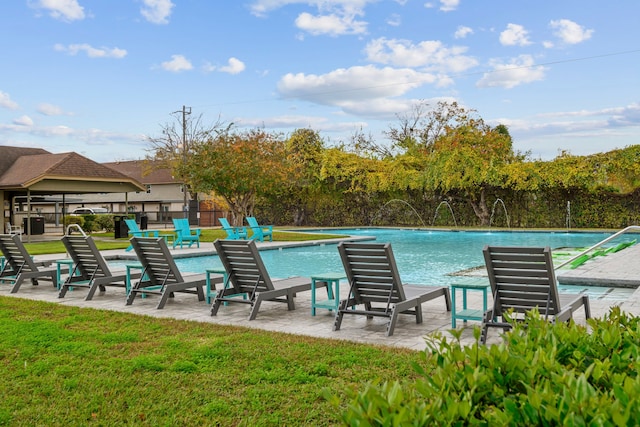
444,202
493,211
400,201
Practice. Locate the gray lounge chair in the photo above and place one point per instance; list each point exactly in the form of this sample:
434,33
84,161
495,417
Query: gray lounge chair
375,284
90,270
246,274
160,275
19,265
523,278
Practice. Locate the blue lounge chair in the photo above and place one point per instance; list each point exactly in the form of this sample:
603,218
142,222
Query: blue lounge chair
134,231
233,233
260,232
185,234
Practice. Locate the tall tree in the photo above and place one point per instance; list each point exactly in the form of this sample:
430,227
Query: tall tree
238,167
175,146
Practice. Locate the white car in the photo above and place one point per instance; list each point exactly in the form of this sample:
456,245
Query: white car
89,211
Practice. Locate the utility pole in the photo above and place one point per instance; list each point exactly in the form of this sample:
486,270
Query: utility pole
185,149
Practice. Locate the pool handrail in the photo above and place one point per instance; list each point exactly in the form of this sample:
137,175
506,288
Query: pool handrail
597,245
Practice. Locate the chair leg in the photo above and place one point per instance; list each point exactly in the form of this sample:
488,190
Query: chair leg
215,306
92,291
255,307
17,284
131,296
339,314
163,298
419,313
393,318
63,290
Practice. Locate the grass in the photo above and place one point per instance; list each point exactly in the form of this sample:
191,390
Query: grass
106,241
78,366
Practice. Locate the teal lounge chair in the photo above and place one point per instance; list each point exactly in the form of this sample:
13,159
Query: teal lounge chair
233,233
184,234
134,231
260,232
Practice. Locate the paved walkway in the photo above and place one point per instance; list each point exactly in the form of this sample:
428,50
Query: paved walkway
275,317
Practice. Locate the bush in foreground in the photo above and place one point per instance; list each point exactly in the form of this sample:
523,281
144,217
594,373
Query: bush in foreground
543,374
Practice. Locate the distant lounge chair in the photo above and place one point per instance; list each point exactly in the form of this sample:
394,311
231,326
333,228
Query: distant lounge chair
246,274
184,234
375,284
260,232
160,275
19,265
90,269
134,231
522,279
233,233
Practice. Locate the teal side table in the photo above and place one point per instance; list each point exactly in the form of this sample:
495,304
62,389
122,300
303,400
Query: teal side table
211,287
468,284
333,291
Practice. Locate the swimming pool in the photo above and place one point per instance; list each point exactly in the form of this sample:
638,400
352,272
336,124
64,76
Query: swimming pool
423,256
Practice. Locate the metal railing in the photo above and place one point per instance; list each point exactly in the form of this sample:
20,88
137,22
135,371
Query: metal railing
597,245
70,226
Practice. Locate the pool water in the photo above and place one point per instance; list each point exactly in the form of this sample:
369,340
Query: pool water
424,257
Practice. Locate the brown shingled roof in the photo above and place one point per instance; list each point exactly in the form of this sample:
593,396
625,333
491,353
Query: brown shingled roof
145,171
29,167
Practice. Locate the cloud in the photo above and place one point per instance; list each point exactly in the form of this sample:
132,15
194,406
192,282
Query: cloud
7,102
430,55
234,66
569,32
449,5
49,110
519,71
394,20
262,7
177,64
23,121
63,10
514,35
357,90
297,122
92,52
462,32
333,24
157,11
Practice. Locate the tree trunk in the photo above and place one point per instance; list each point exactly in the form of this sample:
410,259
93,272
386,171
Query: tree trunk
480,208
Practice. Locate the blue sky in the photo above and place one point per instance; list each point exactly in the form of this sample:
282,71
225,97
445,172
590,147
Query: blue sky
99,77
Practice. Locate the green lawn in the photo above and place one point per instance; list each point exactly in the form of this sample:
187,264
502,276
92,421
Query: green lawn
79,366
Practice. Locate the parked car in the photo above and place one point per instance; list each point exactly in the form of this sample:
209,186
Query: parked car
89,211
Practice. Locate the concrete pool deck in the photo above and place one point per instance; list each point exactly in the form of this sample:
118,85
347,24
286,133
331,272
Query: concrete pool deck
613,268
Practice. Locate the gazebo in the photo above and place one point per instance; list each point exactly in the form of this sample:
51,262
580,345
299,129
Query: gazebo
29,172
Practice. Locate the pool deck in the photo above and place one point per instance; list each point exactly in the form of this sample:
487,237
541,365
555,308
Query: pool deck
621,267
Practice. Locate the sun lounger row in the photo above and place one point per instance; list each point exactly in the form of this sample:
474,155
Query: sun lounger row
521,279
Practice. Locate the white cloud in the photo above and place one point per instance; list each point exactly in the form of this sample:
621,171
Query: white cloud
449,5
361,90
570,32
234,66
7,102
519,71
394,20
463,32
64,10
333,24
262,7
157,11
430,54
92,52
177,64
49,110
23,121
514,35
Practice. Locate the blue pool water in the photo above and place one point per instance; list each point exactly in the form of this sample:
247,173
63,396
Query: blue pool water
424,257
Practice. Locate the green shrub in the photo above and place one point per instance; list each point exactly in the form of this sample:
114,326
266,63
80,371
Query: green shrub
543,374
72,219
104,222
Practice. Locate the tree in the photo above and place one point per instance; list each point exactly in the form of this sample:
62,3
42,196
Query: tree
304,149
173,149
238,167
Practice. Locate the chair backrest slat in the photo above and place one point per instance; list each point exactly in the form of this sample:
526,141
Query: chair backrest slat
522,278
157,261
372,272
16,254
243,263
85,255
